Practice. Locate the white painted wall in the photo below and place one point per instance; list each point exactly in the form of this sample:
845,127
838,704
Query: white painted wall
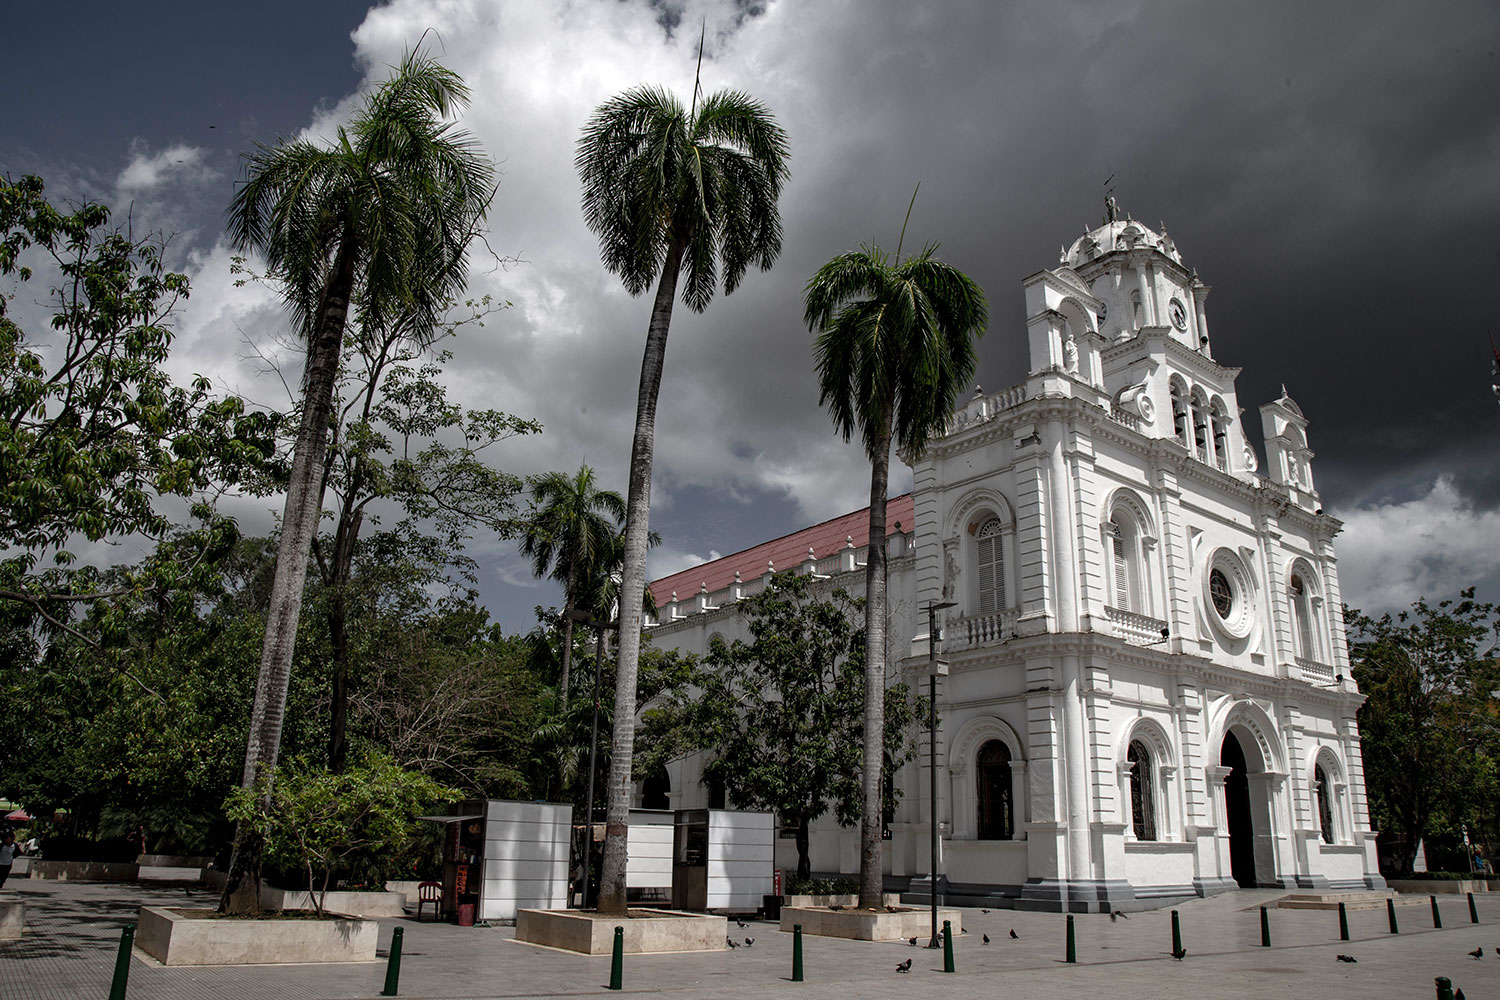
525,858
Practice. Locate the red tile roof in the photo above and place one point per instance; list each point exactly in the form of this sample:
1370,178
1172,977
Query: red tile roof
787,552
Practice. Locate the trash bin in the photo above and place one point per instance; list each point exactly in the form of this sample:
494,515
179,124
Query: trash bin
466,914
771,906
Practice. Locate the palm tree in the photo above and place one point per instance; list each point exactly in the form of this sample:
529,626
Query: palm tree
895,347
380,222
571,536
666,189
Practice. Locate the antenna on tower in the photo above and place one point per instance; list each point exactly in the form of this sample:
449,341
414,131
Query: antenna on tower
1111,207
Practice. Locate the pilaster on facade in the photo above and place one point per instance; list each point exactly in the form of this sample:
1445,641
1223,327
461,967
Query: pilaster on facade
1293,733
1338,629
1089,556
1354,760
929,534
1191,752
1098,704
1033,568
1278,606
1179,609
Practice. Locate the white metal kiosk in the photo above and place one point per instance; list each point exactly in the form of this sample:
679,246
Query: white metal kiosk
722,860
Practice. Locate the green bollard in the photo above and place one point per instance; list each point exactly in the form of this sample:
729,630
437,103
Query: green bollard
1390,915
1343,923
1072,948
1444,988
1437,918
796,953
122,964
1473,912
1176,934
393,966
947,946
617,962
1265,929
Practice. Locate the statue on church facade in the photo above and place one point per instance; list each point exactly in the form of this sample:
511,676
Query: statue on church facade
1070,354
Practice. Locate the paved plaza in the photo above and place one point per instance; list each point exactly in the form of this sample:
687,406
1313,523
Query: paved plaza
73,931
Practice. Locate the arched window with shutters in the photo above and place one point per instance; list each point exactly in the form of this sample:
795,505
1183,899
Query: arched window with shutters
990,565
996,811
1323,792
1302,624
1142,794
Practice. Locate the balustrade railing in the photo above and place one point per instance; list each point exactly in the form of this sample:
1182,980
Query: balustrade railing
1312,670
979,630
1138,630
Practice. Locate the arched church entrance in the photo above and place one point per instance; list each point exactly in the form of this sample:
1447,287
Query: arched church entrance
1237,812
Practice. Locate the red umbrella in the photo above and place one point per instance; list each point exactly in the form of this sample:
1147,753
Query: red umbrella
19,816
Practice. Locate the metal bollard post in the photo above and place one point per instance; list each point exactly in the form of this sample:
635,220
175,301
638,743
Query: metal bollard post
393,966
947,946
1473,912
1265,929
796,953
122,964
1343,923
1437,918
1072,948
617,963
1390,914
1444,988
1176,934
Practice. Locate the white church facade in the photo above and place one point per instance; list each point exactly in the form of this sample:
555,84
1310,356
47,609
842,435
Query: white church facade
1147,694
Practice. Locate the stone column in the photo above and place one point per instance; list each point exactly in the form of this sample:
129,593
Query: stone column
1020,794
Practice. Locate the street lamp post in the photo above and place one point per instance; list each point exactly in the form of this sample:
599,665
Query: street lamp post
583,618
932,637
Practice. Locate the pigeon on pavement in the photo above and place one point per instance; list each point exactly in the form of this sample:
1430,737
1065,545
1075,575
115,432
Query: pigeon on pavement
749,942
1180,954
912,940
986,939
1477,954
904,966
732,942
1013,935
1346,958
1117,914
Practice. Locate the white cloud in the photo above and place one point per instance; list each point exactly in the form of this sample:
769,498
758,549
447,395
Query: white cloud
664,561
177,165
1432,545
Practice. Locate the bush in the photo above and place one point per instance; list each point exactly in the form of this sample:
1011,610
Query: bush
821,886
116,850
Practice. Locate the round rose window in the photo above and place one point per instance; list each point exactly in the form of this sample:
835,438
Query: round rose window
1223,597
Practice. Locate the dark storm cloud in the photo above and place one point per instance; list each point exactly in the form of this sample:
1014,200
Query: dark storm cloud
1329,168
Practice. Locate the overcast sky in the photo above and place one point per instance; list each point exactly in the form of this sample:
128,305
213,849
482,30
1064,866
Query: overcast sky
1329,168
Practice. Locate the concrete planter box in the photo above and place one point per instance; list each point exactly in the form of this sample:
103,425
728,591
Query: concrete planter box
850,899
1430,887
866,925
171,867
12,917
177,937
354,904
408,889
646,931
85,871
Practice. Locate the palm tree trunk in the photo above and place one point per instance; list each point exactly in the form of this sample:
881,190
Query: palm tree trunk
304,503
567,665
633,589
871,876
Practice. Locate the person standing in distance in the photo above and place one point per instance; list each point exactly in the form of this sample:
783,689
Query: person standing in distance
8,851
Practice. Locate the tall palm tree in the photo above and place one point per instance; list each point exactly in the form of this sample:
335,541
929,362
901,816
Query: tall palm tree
571,536
895,347
379,222
667,188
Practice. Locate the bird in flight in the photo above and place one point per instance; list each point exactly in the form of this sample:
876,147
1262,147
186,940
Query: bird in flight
1346,958
904,966
1117,914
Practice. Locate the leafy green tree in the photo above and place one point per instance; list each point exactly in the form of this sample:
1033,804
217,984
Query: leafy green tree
379,222
895,347
667,188
397,439
1428,727
571,535
321,822
782,713
93,433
